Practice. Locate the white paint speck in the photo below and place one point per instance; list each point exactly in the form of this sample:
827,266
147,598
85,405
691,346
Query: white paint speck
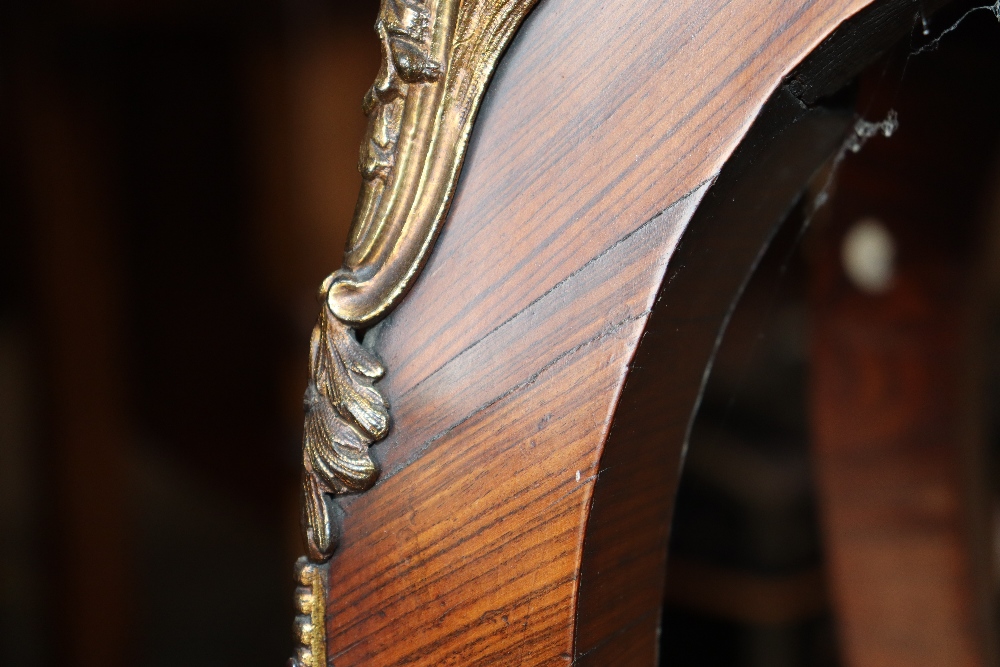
578,475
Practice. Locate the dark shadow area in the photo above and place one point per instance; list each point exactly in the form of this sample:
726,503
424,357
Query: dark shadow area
745,584
176,178
837,504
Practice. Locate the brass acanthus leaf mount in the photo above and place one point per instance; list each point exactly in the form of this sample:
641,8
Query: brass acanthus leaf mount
344,414
437,58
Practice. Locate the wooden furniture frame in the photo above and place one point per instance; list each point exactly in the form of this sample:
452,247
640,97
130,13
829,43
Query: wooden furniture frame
629,163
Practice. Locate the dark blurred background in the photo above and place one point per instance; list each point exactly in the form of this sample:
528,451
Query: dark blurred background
177,177
839,502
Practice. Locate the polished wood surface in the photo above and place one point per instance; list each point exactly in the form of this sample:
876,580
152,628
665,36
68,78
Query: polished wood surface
622,570
522,513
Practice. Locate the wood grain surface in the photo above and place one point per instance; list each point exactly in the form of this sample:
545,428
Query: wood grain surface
522,513
624,557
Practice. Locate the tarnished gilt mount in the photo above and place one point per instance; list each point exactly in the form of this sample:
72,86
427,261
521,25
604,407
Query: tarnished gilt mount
310,619
437,57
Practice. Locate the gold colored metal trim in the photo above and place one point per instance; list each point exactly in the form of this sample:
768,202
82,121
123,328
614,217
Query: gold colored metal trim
437,58
310,623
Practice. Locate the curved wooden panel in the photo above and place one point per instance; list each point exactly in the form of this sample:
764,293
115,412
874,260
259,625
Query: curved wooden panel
624,559
504,530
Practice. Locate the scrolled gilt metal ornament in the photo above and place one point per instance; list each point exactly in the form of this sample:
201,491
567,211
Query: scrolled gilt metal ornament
437,58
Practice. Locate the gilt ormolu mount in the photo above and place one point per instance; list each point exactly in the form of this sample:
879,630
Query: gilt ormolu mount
437,57
310,604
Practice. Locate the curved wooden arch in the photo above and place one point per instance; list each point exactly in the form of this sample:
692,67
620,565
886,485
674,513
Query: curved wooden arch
547,364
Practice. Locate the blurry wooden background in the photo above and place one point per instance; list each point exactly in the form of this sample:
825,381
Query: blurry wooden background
176,178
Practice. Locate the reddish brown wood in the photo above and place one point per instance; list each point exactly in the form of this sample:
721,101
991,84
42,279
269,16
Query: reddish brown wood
522,513
757,187
888,393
